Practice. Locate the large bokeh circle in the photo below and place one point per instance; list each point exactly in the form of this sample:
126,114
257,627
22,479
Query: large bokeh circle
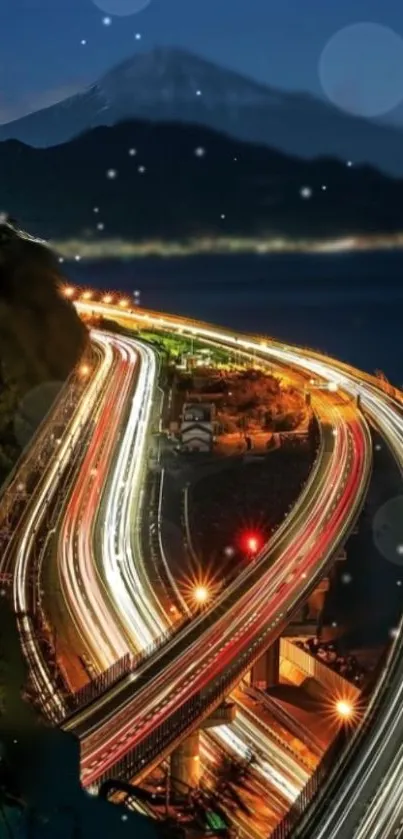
388,530
361,69
121,8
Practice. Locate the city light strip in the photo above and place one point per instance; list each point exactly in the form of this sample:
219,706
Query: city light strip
255,733
99,589
96,589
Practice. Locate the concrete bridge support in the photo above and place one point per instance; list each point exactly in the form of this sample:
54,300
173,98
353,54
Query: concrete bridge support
185,759
185,763
266,672
317,599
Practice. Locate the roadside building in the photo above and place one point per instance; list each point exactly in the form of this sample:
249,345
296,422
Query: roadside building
191,360
197,427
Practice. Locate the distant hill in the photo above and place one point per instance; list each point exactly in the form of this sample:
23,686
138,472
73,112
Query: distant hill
174,85
192,178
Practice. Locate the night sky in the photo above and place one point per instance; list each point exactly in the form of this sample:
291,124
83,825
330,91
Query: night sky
280,42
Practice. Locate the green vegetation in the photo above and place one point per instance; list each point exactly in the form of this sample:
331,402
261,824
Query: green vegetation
175,346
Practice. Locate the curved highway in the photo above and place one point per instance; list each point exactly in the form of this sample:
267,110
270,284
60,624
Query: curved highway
112,725
123,575
116,723
366,801
305,547
372,812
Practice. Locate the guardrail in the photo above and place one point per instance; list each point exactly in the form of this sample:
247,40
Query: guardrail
105,681
124,667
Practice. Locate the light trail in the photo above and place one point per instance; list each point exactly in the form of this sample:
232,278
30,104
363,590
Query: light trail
80,582
263,815
123,565
27,535
242,740
111,593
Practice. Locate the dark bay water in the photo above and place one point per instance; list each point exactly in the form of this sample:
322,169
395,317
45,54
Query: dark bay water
350,305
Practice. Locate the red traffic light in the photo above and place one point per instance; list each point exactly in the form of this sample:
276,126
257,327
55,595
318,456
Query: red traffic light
252,543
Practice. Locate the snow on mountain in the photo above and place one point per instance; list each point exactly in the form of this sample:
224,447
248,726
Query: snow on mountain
169,84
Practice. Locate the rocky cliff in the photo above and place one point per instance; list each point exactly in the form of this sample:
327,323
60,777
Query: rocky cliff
41,336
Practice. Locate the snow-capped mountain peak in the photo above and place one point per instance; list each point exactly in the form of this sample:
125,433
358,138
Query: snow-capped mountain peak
171,84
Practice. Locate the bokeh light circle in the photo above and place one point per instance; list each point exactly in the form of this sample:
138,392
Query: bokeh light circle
388,530
121,8
361,69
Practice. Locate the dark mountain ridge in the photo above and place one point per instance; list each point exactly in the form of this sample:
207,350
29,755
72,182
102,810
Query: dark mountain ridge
196,183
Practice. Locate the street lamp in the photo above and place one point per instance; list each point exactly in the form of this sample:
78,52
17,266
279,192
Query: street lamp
69,291
201,595
344,709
